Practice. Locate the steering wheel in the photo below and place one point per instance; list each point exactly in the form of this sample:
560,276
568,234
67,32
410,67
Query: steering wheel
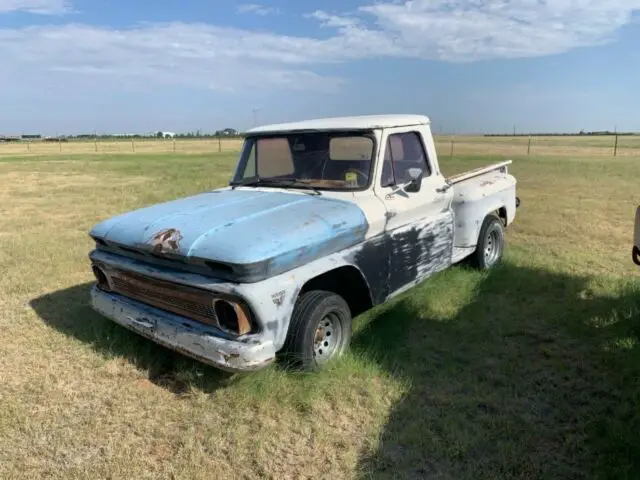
362,174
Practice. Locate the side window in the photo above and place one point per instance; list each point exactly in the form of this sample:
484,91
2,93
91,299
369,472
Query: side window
388,178
403,152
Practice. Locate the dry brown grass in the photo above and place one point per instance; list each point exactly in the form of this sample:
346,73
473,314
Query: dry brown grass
467,376
540,146
120,146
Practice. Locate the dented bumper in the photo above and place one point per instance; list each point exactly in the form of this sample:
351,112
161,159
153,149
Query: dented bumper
183,335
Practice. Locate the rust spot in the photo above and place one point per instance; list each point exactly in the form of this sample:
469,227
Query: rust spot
166,240
228,356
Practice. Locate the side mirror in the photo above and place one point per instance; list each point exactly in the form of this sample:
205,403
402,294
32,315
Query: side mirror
415,183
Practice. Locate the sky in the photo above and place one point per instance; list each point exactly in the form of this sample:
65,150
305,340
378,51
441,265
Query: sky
472,66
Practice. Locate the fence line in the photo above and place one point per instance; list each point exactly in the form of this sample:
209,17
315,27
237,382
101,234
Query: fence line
133,146
603,145
611,146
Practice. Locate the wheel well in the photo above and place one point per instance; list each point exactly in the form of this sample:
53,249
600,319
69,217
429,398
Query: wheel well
347,282
502,213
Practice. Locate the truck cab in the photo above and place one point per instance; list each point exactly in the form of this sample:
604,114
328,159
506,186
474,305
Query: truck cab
321,221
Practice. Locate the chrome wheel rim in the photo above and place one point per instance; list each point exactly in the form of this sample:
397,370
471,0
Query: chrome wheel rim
327,338
492,248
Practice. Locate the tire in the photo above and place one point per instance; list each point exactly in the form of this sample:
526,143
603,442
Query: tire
490,246
320,330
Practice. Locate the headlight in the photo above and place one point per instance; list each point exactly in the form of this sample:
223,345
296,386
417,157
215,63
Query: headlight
232,317
101,277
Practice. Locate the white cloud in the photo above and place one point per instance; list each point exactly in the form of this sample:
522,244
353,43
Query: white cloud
234,59
257,9
42,7
464,30
189,54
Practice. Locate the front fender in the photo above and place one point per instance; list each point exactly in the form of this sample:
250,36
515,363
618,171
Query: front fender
271,301
274,299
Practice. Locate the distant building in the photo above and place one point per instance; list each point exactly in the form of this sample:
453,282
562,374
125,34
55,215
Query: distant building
227,132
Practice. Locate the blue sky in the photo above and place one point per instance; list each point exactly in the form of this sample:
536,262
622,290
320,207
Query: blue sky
471,65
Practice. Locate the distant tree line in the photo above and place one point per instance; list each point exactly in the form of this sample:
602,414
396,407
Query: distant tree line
227,132
569,134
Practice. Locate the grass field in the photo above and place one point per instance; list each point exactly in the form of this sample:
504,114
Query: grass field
531,371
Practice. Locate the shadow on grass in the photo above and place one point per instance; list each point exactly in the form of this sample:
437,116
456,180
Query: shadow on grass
69,312
537,377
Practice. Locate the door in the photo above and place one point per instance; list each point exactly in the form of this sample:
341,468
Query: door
419,226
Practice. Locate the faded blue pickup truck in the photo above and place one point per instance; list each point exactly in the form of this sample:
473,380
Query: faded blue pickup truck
322,220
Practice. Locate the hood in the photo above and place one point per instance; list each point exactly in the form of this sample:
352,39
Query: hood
278,230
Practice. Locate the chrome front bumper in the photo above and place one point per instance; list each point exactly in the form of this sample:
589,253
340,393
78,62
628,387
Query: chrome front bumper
183,335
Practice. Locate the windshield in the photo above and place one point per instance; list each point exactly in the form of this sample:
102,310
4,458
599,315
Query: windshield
319,160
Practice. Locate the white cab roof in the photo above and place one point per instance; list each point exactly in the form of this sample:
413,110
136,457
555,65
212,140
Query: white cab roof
362,122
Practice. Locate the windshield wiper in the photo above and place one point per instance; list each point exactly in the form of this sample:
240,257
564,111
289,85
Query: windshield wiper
275,182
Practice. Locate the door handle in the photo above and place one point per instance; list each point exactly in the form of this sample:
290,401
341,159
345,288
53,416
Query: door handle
444,188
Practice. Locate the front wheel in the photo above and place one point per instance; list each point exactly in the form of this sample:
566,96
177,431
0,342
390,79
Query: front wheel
320,330
490,243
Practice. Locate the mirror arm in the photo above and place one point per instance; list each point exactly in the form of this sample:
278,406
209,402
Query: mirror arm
444,188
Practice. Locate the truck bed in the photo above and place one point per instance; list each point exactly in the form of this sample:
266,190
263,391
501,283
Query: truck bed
476,192
476,172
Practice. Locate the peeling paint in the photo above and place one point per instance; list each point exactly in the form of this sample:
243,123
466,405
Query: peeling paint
472,202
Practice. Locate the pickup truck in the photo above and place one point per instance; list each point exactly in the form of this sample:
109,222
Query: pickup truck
321,221
635,251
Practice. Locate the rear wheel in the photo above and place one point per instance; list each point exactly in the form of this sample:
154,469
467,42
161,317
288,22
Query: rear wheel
320,330
490,243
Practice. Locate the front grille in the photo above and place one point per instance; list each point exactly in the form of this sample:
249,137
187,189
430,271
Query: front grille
178,299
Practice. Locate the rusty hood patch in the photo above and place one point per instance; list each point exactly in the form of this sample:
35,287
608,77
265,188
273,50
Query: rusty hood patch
167,240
